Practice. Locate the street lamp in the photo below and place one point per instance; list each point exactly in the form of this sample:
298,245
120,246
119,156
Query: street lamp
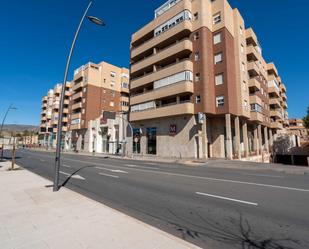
2,124
98,22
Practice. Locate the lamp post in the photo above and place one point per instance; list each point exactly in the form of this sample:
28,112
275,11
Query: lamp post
2,124
96,21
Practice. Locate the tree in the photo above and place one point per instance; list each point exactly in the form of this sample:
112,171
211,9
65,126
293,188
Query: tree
306,119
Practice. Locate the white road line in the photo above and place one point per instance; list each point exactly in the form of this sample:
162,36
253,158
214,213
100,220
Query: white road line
263,175
224,180
228,199
137,166
108,175
155,164
61,172
73,176
66,166
42,160
113,170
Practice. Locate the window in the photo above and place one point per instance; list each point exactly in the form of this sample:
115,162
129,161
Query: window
197,99
112,103
195,16
196,36
240,30
218,58
112,83
246,105
113,74
245,85
217,38
219,79
243,68
220,101
196,56
217,18
85,89
197,77
242,49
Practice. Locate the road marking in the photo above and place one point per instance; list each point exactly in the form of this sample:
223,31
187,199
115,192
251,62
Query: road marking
263,175
113,170
228,199
155,164
66,166
137,166
108,175
73,176
42,160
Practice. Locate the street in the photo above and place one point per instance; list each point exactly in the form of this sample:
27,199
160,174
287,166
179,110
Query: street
207,206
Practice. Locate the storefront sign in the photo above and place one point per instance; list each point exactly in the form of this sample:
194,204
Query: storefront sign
173,129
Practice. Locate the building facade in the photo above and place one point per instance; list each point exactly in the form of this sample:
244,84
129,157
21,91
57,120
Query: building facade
50,113
96,88
297,127
199,86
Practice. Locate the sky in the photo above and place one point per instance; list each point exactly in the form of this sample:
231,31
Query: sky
36,36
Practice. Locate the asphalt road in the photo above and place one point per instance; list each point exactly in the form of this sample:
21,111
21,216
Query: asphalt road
209,207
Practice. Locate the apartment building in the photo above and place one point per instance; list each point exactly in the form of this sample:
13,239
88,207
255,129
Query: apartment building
297,127
96,88
199,86
50,114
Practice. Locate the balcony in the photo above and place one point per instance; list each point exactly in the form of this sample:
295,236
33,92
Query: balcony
77,86
125,99
77,106
274,101
167,111
66,102
78,95
256,116
174,49
283,95
183,27
283,88
253,53
254,83
182,5
276,125
185,65
174,89
255,99
251,37
275,113
76,116
253,68
66,110
271,68
65,120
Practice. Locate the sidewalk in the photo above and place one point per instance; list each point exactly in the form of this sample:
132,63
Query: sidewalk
33,217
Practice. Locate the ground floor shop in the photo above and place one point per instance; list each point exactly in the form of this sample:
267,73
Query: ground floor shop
188,136
108,136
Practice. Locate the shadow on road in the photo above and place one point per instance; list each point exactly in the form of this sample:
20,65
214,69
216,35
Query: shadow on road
238,233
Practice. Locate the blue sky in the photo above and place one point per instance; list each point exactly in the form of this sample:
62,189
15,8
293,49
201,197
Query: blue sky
36,35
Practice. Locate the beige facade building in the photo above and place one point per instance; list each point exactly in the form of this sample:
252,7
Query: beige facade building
199,86
50,114
96,88
297,127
